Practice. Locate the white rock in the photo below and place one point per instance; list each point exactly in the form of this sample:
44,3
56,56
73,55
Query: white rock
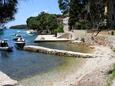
5,80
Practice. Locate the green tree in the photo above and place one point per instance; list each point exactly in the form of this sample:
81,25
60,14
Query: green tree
74,8
96,12
43,22
7,10
97,16
91,11
32,23
64,6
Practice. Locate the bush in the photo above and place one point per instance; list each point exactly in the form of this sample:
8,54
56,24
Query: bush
112,33
111,76
59,29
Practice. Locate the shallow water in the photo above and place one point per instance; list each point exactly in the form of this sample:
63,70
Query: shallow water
55,75
22,64
35,69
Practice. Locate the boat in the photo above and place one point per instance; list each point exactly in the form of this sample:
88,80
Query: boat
20,43
31,32
16,37
4,46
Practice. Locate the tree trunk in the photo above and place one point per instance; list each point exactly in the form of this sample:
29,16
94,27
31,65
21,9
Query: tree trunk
98,32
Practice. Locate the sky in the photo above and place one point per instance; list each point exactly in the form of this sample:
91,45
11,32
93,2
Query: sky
27,8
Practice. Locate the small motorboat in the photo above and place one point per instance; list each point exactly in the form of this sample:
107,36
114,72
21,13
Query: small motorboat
4,46
20,43
16,37
31,32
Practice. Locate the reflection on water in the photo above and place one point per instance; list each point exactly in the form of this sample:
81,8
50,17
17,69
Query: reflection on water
4,54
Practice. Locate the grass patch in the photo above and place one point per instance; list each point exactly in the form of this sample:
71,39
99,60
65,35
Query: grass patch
113,49
79,47
111,76
113,72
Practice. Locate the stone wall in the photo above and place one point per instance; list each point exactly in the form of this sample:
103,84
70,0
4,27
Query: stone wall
57,52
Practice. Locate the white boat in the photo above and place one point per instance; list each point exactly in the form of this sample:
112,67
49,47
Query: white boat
31,32
20,43
16,37
4,46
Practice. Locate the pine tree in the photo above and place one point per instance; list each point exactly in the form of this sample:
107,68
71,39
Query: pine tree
7,10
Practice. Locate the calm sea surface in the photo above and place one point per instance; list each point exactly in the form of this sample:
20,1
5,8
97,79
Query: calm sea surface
21,64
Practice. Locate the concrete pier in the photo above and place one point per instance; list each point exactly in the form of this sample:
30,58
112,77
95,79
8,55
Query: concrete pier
50,38
57,52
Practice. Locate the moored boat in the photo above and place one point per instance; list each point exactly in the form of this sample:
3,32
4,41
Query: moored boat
16,37
4,46
20,43
31,32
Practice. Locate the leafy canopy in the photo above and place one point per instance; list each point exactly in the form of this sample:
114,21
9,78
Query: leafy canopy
43,22
7,10
64,6
88,10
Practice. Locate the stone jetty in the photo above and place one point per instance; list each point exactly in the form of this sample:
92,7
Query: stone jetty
57,52
51,38
6,80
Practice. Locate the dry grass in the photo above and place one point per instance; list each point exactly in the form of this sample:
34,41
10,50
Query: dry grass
80,47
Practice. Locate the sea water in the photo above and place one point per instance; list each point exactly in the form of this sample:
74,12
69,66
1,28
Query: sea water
35,69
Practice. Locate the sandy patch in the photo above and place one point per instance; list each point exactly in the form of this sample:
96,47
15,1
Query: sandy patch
92,73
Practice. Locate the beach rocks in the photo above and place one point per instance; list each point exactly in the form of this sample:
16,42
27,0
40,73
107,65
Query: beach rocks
6,81
113,83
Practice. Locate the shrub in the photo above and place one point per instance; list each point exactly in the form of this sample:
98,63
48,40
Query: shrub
59,29
112,33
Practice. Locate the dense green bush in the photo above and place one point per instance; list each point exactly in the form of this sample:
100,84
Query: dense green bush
43,22
111,75
112,33
59,29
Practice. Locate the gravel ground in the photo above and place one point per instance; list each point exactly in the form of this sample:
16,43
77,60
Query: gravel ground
94,71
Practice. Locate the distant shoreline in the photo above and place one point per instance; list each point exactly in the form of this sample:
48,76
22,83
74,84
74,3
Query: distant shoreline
22,26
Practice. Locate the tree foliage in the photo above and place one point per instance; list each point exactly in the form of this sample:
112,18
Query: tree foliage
43,22
90,10
64,6
76,11
7,10
97,12
74,8
32,22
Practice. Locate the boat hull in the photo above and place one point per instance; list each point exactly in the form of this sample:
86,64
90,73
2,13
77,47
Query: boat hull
10,49
15,39
19,45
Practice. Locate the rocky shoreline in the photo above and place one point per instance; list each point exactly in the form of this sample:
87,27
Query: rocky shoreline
6,80
94,71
